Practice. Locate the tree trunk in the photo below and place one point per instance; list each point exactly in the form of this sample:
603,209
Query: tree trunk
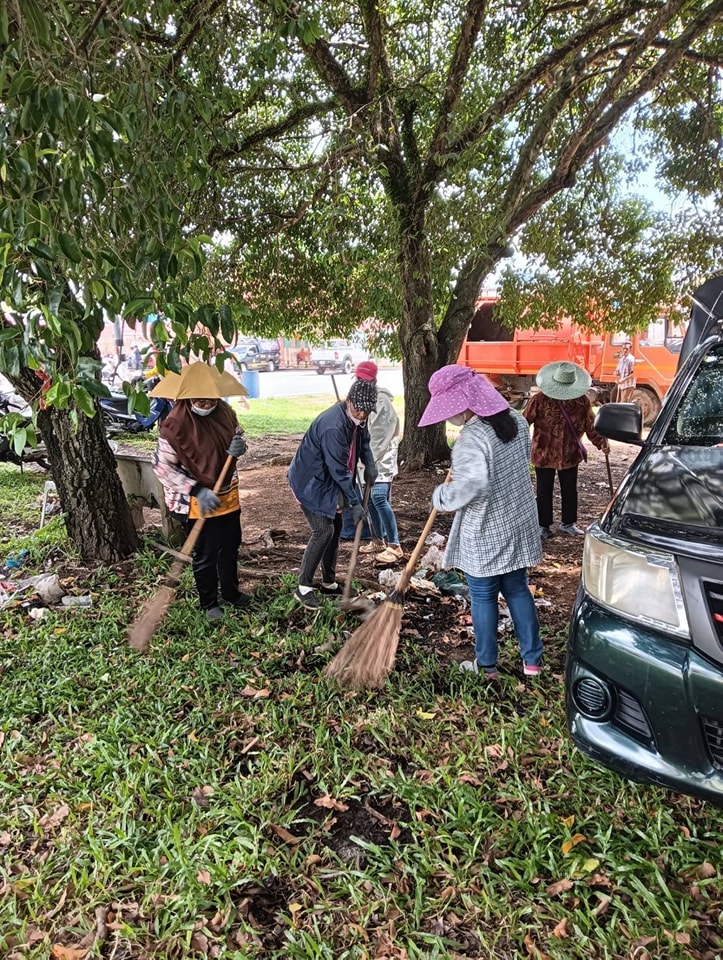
97,515
420,349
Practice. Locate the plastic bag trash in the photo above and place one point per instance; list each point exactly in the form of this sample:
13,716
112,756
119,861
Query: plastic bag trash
450,584
423,586
48,588
388,578
38,613
435,540
432,560
16,560
86,601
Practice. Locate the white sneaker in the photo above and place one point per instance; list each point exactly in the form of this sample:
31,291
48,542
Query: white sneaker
471,666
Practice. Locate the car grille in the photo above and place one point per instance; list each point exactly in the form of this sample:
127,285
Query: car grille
713,733
714,596
630,715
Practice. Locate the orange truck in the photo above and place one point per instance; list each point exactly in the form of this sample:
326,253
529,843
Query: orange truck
512,364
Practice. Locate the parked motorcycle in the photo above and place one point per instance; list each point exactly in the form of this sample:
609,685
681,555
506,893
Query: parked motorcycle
118,419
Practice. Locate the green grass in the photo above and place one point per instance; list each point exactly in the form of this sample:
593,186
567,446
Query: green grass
159,788
280,416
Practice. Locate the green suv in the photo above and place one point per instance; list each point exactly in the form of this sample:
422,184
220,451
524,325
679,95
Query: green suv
644,676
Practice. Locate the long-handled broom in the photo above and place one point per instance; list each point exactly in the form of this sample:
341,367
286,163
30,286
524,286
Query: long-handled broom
361,607
155,609
368,655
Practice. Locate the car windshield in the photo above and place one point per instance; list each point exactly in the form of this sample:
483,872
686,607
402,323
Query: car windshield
699,419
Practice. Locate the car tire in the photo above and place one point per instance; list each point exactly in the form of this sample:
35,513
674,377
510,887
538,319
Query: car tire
320,371
348,365
648,403
271,366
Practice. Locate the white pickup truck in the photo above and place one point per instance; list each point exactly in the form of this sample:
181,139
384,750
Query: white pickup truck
338,356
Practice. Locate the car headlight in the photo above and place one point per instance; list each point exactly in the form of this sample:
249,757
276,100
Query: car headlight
640,584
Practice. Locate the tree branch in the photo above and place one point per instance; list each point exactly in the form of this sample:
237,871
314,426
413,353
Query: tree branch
456,74
273,130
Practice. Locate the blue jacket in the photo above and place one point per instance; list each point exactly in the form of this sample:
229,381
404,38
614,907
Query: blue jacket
319,472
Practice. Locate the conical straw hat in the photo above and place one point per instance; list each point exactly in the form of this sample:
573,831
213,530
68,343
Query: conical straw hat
199,381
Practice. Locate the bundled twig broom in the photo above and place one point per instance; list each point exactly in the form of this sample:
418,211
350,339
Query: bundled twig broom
369,654
153,612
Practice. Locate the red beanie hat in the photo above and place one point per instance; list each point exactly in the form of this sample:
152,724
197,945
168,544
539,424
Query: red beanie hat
366,370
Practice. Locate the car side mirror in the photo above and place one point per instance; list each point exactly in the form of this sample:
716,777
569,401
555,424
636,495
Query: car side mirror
620,421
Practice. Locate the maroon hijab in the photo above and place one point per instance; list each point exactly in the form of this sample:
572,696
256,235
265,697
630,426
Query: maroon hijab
200,443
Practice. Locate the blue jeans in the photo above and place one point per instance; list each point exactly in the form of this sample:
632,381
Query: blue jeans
383,519
348,529
514,588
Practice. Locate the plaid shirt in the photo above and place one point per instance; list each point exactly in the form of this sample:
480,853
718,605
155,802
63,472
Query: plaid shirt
177,484
625,371
495,529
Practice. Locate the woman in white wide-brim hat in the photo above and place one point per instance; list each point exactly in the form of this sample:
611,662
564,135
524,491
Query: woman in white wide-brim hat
560,414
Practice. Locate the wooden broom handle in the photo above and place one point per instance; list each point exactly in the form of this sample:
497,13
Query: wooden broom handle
190,541
406,574
355,546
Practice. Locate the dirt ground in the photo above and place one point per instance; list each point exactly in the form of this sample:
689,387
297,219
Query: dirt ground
269,511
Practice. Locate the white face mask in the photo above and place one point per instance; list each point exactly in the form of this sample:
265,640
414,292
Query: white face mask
203,411
458,419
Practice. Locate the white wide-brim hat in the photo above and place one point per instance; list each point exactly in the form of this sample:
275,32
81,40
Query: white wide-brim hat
563,380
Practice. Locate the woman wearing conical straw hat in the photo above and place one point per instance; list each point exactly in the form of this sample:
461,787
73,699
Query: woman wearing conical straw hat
494,536
194,441
560,414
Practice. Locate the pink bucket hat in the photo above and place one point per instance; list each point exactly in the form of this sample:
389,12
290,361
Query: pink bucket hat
455,389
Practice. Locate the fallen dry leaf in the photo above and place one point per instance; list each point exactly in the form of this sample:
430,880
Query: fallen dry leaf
200,795
559,886
567,845
203,876
329,803
254,693
59,952
283,834
561,931
706,870
602,908
55,818
494,750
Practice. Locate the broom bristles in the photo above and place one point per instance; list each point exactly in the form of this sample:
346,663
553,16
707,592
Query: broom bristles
369,654
144,626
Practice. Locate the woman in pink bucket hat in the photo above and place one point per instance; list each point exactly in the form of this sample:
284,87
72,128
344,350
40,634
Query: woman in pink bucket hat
494,536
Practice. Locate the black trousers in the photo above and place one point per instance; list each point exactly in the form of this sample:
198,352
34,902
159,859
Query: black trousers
323,547
215,558
568,494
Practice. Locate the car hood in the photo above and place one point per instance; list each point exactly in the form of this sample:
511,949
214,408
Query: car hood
677,485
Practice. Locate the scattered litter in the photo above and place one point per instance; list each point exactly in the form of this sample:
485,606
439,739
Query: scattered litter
432,560
388,578
435,540
38,613
420,585
85,601
450,583
16,560
48,588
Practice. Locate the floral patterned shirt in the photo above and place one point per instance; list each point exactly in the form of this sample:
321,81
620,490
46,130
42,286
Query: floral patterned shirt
553,445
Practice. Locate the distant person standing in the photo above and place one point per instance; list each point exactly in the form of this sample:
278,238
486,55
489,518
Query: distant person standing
383,425
560,414
625,375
